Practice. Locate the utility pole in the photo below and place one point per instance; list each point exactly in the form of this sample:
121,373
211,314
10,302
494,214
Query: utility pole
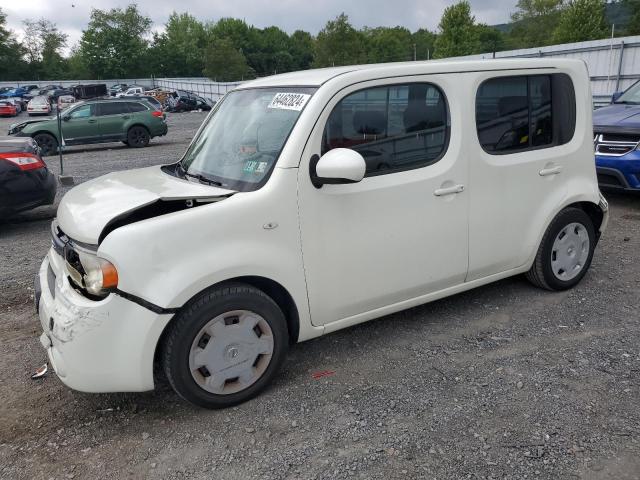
66,180
415,56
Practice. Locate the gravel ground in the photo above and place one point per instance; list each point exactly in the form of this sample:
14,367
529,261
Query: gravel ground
504,381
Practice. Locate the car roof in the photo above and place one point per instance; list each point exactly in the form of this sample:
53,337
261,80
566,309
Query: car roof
317,77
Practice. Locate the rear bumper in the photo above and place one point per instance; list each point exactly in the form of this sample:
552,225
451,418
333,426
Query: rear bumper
27,193
95,346
620,173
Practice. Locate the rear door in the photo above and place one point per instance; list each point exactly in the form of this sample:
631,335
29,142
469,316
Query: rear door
521,164
111,117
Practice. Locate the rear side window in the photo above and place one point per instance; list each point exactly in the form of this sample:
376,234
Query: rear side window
395,128
136,107
115,108
515,114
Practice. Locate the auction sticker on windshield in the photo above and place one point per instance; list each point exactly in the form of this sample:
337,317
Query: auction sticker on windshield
289,101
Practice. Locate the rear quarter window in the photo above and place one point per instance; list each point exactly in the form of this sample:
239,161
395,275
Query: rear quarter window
525,112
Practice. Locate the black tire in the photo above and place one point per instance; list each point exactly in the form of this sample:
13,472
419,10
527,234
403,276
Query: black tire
47,143
541,273
194,316
138,137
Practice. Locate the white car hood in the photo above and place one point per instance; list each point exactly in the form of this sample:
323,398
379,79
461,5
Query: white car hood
87,209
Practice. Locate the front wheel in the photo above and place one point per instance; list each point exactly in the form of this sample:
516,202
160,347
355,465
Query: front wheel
138,137
225,347
47,143
566,251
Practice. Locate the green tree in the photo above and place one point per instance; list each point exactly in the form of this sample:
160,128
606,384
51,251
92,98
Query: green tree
12,67
115,45
179,50
633,16
43,44
225,63
424,42
458,33
491,39
582,20
302,45
534,23
272,52
388,44
338,43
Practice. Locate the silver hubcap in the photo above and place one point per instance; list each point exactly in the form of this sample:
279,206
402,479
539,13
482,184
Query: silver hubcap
231,352
570,251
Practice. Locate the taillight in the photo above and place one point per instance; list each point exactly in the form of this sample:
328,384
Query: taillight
25,161
157,113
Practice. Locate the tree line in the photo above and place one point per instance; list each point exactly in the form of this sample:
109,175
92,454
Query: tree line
119,43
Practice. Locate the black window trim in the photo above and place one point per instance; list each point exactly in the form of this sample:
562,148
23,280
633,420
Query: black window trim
529,148
101,104
388,86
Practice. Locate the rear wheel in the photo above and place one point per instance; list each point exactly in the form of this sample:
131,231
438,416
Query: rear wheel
225,347
566,251
47,143
138,137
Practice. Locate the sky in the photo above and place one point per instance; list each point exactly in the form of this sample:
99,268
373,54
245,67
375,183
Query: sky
71,16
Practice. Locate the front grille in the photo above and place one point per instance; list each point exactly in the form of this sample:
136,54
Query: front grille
615,144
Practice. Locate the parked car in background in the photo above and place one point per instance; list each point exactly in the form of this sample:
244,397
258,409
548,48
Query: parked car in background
15,92
313,201
48,88
617,141
117,88
133,122
25,180
204,104
131,91
182,101
18,102
86,91
39,106
64,101
8,108
54,94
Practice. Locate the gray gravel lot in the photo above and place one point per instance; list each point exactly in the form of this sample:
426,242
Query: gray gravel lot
504,381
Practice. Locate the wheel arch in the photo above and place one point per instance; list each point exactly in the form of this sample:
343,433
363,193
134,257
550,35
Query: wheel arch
273,289
47,132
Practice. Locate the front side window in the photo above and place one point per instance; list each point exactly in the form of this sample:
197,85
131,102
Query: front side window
81,112
240,143
394,128
515,114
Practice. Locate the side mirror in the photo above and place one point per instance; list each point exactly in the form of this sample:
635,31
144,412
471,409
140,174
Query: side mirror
66,118
337,166
616,96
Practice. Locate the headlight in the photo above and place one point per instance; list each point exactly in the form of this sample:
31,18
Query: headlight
98,276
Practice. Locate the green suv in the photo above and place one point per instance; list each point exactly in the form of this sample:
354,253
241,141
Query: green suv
133,122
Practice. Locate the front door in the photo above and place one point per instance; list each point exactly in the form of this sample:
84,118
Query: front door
80,125
402,231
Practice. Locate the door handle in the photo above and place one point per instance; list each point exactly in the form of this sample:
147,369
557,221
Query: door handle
92,121
545,172
449,190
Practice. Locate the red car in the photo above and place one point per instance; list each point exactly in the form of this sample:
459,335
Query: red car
7,109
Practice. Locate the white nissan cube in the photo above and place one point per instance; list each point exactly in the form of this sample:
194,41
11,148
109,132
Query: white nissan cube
313,201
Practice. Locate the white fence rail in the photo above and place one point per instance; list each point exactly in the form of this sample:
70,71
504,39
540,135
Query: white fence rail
200,86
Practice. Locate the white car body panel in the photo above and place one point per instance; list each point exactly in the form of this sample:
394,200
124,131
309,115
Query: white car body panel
344,253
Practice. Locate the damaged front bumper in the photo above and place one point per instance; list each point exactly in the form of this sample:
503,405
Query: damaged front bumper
95,346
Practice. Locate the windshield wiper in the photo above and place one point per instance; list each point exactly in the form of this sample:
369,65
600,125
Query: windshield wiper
202,179
627,102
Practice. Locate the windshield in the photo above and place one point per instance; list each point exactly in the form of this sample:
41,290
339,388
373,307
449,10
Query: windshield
242,140
631,96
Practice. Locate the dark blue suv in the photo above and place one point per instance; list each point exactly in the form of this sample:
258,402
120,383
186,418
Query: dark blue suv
617,141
